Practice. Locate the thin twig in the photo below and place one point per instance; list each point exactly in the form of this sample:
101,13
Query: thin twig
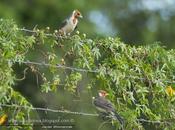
33,31
155,122
24,76
27,30
55,35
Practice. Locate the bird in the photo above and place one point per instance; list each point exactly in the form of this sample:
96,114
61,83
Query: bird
70,24
104,105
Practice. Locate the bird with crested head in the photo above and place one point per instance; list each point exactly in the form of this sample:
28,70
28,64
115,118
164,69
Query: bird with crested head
104,105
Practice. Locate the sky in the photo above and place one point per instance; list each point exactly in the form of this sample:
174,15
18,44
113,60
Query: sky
166,8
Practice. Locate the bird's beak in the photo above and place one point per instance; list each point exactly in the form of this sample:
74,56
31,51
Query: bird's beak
81,16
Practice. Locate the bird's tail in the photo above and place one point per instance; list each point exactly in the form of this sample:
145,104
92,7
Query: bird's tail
119,118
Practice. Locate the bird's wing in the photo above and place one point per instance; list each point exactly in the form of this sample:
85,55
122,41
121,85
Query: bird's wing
76,28
107,106
103,103
64,23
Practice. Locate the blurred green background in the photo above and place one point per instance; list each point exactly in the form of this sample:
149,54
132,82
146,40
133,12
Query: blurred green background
134,21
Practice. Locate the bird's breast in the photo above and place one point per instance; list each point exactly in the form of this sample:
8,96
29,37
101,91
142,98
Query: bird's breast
70,26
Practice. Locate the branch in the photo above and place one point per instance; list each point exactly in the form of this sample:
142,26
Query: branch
81,113
24,76
83,70
57,66
33,31
158,121
46,34
47,109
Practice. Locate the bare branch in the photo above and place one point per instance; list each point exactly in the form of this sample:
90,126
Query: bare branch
169,121
57,66
157,121
48,110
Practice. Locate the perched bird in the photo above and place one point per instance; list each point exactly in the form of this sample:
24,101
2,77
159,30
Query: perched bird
70,23
105,106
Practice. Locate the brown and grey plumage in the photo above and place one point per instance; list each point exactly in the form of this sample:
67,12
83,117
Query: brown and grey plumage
104,105
70,24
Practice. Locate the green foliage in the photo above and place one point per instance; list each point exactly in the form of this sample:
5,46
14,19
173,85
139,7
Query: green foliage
13,47
135,77
72,81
